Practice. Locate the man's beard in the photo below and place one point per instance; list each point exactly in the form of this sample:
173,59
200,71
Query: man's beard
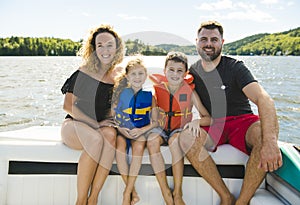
212,57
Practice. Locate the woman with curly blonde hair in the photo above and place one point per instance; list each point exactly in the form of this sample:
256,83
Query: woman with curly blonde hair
88,125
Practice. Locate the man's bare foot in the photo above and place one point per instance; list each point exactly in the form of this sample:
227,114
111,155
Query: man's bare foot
230,201
178,200
233,200
134,198
241,202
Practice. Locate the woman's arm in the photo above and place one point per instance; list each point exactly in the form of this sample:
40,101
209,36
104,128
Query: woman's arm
71,108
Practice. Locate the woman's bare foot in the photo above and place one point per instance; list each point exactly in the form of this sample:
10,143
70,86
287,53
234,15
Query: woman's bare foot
92,201
134,198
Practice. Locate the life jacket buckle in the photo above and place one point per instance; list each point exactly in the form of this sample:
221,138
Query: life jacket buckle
170,114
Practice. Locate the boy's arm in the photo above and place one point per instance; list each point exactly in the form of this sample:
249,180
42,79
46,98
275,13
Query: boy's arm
205,119
154,114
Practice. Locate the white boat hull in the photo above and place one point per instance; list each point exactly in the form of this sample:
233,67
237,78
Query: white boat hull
36,168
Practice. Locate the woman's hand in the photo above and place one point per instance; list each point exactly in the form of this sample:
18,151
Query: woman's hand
107,123
125,132
135,133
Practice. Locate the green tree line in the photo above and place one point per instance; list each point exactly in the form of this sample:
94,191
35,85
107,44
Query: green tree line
284,43
19,46
138,47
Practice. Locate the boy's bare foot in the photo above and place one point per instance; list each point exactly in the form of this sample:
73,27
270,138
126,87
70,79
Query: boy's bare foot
168,197
178,200
126,199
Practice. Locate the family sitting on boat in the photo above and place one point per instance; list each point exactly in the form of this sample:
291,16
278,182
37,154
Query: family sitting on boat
110,116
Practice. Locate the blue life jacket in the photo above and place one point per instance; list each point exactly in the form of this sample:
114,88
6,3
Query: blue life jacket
133,110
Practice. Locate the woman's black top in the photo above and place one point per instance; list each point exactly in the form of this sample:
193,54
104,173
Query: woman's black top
93,96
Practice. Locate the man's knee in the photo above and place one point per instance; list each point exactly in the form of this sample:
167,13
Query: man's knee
254,135
186,140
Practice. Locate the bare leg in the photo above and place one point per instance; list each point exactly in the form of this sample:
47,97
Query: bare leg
158,165
85,174
138,147
106,160
177,169
204,164
72,134
123,166
121,158
253,175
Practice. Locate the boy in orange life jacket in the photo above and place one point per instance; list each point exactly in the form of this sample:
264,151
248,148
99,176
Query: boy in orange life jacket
175,97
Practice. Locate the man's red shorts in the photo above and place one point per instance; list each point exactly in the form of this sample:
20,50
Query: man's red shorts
231,130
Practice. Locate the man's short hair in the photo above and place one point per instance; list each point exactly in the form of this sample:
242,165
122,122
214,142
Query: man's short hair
211,25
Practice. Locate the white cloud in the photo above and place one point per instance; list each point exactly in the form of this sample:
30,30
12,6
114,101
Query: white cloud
246,6
277,4
220,5
269,2
254,15
127,17
225,9
85,14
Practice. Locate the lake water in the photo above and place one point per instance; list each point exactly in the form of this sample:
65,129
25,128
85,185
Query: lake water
30,89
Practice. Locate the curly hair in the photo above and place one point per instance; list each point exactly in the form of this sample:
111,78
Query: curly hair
88,49
121,81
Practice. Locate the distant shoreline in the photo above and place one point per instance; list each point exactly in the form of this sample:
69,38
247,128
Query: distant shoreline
161,55
286,43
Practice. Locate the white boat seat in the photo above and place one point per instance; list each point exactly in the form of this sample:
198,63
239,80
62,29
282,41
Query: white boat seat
35,165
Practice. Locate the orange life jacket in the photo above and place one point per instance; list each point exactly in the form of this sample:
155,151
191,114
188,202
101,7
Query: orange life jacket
175,110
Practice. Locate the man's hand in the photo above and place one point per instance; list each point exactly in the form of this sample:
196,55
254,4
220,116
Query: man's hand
270,157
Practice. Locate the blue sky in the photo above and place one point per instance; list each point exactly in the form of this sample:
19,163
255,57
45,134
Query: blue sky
72,18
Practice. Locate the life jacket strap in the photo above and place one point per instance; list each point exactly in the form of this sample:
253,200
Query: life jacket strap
185,114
